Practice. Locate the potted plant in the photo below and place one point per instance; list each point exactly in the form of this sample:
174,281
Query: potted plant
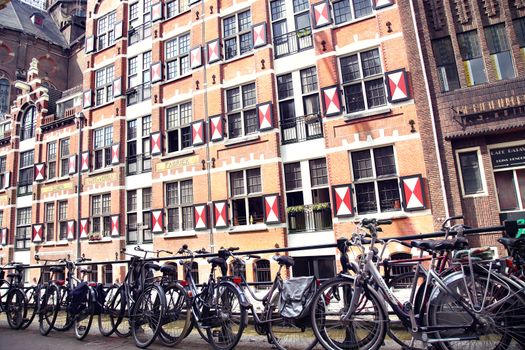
95,236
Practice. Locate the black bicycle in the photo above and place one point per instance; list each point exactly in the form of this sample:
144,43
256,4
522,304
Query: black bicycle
15,305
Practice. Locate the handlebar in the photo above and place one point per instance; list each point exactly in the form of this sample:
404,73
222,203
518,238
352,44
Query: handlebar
449,219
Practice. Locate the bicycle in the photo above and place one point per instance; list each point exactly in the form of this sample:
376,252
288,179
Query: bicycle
15,305
350,312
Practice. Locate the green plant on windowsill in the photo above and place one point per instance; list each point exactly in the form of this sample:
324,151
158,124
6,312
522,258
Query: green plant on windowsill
95,236
301,33
309,207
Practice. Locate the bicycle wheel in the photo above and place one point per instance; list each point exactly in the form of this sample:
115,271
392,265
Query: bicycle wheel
288,333
64,319
48,309
366,328
146,315
111,312
498,307
227,318
31,306
177,319
401,287
15,308
84,318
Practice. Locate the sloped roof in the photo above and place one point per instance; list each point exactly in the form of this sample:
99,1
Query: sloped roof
17,16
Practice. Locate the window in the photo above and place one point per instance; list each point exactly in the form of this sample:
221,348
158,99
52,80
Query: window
3,168
62,219
106,30
23,228
245,196
27,129
262,272
179,203
446,64
138,146
138,216
178,56
292,175
291,33
104,85
101,214
519,25
472,59
175,7
322,267
4,96
49,218
107,270
51,160
240,104
142,61
500,53
133,15
237,33
375,180
510,185
1,218
309,89
318,172
362,77
346,10
471,173
178,127
132,216
25,178
146,17
64,157
103,138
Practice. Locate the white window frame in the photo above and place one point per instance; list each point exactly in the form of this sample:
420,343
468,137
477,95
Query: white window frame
105,162
237,35
104,91
178,58
242,110
105,231
108,34
352,12
179,205
180,8
245,196
481,169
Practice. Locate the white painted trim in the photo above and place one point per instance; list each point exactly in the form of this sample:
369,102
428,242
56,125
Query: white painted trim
481,169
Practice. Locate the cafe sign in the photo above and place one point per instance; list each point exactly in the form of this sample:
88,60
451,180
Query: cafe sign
507,157
177,163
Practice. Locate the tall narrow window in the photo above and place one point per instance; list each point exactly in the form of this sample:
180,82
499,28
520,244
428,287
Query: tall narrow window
131,208
101,214
309,89
500,53
4,96
27,130
346,10
178,56
178,127
179,202
25,173
3,168
519,25
175,7
23,228
104,85
51,160
108,274
471,175
472,58
62,219
245,196
103,139
49,217
106,30
262,272
64,157
240,104
446,64
237,31
146,215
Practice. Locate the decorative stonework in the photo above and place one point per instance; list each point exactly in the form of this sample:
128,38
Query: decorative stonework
520,4
463,11
491,7
436,14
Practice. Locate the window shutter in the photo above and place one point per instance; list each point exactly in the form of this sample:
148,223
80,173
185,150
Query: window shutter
40,172
201,216
213,49
115,154
88,99
7,180
157,221
156,72
197,133
331,101
321,14
118,30
397,85
71,230
90,44
4,232
220,214
216,128
265,116
259,34
72,164
272,212
413,192
379,4
117,87
196,57
84,228
342,201
156,143
115,225
156,11
85,161
38,233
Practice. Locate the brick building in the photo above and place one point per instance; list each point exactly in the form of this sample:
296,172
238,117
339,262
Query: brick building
474,52
251,123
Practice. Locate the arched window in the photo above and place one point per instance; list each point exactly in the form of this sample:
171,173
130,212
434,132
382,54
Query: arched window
28,123
262,272
4,96
108,274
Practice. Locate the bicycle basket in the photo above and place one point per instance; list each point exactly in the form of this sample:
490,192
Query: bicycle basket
296,296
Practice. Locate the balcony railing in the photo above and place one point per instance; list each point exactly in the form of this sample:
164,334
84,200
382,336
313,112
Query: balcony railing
138,164
301,129
139,33
293,42
310,218
136,231
138,93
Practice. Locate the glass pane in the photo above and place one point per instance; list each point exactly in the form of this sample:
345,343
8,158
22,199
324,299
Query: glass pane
302,21
496,37
362,165
234,125
521,183
255,207
342,11
389,195
469,45
375,93
366,198
371,63
233,99
318,172
251,123
504,65
245,21
477,69
278,9
236,183
253,177
292,176
384,161
354,98
284,86
508,200
362,8
350,68
519,25
239,212
309,80
287,111
300,5
471,172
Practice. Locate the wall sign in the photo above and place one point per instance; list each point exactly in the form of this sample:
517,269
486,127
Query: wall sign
507,157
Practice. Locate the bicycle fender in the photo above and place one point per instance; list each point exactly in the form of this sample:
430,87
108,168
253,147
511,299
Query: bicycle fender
242,297
453,277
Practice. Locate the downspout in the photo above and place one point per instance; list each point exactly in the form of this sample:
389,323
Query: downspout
431,109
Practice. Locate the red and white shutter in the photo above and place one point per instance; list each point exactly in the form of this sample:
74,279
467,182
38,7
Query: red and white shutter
156,143
201,216
379,4
71,230
7,180
397,84
342,198
115,154
265,116
220,214
90,44
213,49
413,193
118,30
259,35
72,169
38,233
84,228
115,225
197,133
272,209
196,57
117,87
3,232
87,99
156,72
157,221
40,172
331,101
156,11
84,166
216,128
321,14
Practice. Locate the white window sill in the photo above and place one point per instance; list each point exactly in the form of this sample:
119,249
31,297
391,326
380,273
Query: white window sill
101,171
360,19
102,240
242,139
182,153
392,215
367,113
175,16
244,55
191,233
248,228
476,195
180,77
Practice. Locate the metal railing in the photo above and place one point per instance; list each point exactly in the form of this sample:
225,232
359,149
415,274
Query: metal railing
293,42
138,164
138,93
310,219
139,33
301,129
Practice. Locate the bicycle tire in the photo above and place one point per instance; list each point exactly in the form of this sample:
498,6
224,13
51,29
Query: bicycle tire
83,320
177,318
32,298
228,318
331,302
48,309
111,312
147,314
15,308
121,323
64,320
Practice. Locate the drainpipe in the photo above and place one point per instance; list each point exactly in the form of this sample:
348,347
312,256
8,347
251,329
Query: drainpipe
80,118
431,109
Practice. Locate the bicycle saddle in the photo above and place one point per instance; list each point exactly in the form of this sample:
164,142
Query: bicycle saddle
439,245
284,260
216,261
151,265
57,269
170,268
